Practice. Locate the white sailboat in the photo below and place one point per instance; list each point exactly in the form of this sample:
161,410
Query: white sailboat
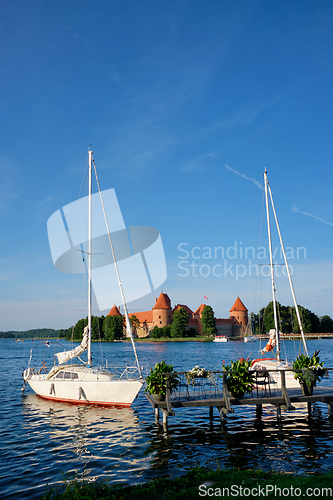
83,383
277,363
250,338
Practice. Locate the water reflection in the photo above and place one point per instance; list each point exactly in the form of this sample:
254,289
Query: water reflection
43,441
290,444
82,435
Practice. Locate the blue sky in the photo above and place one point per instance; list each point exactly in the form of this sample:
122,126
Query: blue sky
185,103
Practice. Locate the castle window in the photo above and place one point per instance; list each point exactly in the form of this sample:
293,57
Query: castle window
160,317
160,321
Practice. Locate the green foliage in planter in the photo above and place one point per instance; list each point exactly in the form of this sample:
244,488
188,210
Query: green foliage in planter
312,369
157,382
242,381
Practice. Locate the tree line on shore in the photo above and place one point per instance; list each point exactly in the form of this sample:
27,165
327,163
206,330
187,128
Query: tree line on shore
40,333
113,327
287,320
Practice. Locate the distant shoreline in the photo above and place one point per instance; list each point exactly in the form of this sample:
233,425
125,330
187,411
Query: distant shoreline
308,336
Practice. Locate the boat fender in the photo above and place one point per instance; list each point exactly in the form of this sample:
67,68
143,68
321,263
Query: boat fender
26,374
52,389
80,393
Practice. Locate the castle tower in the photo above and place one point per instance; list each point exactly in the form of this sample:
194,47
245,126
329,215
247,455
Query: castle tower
238,313
162,313
114,311
197,315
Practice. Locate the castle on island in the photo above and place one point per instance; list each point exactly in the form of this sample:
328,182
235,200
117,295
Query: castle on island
162,313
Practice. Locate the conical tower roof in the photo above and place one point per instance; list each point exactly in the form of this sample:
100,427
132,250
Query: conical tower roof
200,309
238,306
163,302
114,311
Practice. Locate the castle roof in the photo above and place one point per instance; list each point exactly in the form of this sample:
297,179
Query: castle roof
187,309
114,311
144,317
200,309
238,306
163,302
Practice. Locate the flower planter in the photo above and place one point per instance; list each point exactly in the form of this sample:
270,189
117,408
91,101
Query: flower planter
237,395
158,397
307,390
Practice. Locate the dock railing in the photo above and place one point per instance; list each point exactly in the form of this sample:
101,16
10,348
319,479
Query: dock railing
212,390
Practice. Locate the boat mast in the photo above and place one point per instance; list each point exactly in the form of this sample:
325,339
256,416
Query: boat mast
128,323
289,276
90,153
272,268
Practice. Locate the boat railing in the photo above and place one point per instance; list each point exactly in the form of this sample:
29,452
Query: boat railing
126,373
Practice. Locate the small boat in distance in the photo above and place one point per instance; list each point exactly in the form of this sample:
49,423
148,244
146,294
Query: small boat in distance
251,338
221,338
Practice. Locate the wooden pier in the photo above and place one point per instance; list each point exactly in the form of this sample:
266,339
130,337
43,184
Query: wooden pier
206,395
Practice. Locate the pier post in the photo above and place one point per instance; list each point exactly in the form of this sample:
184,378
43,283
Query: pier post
278,411
211,408
226,394
157,414
288,405
223,413
309,410
258,411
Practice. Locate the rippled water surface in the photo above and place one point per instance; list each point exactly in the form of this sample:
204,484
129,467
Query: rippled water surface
43,442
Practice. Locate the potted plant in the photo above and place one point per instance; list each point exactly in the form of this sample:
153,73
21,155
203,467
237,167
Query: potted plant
242,381
197,372
312,371
157,381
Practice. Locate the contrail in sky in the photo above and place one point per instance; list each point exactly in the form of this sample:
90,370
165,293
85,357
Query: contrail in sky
245,177
295,209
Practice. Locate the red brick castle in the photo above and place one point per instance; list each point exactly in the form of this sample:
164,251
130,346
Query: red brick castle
162,313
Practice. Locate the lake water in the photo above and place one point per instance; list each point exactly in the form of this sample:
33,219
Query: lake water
44,442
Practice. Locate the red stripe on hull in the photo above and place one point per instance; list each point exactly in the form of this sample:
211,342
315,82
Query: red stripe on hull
73,401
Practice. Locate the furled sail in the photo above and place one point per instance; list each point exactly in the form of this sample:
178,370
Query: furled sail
271,343
63,357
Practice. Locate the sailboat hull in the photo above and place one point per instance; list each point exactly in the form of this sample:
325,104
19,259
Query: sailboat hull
106,393
275,376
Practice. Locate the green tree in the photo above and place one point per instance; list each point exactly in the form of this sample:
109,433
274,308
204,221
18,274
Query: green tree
326,324
305,320
287,319
191,332
267,315
97,327
156,332
79,328
208,321
265,320
179,322
135,323
114,327
315,323
166,331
